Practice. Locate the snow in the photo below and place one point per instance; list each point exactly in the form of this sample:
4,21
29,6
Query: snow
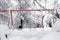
52,36
30,33
56,26
55,34
4,28
22,34
3,31
27,34
46,20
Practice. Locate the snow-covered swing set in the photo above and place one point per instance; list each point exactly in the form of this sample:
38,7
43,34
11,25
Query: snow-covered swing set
10,22
10,18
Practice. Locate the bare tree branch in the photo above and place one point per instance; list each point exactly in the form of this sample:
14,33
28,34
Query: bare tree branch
39,4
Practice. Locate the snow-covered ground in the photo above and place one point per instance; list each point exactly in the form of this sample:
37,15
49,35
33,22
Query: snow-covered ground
27,34
31,34
23,34
55,34
52,36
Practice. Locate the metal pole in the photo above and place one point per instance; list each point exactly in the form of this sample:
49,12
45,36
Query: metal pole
10,18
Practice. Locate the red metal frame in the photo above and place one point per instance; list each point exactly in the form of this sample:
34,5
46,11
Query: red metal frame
11,18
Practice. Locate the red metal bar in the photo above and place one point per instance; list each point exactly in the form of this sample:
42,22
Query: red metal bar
42,21
11,18
4,10
36,10
28,10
